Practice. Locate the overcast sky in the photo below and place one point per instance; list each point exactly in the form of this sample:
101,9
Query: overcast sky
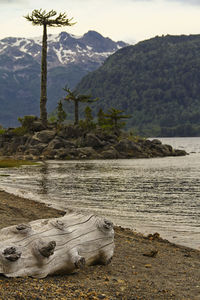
127,20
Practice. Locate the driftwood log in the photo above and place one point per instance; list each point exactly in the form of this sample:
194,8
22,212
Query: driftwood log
55,246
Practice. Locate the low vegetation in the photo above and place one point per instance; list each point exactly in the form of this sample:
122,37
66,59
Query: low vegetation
11,163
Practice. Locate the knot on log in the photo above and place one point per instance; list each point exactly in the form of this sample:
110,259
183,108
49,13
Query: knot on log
48,249
80,263
11,254
107,261
105,225
58,224
23,228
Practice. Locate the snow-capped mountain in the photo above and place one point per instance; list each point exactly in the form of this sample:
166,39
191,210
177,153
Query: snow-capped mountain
69,58
63,49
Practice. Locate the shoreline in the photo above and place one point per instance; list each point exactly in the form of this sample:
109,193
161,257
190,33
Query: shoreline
172,238
173,273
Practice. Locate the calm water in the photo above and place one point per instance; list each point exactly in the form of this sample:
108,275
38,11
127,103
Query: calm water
149,195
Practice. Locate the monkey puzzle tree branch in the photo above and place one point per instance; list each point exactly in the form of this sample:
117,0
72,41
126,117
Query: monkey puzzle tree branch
76,98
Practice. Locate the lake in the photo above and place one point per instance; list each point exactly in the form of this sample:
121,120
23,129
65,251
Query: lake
148,195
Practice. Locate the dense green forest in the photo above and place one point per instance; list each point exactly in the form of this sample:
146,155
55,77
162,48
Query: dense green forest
157,81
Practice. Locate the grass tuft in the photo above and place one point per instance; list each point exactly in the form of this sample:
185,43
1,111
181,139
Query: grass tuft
11,163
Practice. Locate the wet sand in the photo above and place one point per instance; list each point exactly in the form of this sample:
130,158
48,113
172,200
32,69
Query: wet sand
142,267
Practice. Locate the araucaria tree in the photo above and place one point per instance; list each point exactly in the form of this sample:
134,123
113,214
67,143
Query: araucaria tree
77,98
114,116
46,19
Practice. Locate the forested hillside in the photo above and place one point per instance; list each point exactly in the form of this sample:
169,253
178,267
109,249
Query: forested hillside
157,81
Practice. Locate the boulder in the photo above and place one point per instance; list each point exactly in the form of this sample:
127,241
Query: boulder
32,141
111,153
156,142
37,126
71,132
91,140
56,143
180,152
126,145
61,153
87,152
44,136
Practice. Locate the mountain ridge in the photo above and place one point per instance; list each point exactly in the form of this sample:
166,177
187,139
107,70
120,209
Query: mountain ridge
69,58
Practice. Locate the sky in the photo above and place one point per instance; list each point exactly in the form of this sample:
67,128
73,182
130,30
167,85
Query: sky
127,20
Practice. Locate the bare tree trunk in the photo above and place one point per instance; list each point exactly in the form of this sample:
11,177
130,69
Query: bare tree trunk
76,119
43,92
55,246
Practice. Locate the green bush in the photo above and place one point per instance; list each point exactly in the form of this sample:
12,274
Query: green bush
2,131
20,131
27,122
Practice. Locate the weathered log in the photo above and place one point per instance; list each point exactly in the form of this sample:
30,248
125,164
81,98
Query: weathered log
55,246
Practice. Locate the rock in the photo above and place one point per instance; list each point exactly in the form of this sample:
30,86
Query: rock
44,136
126,145
71,132
148,266
61,153
87,152
169,147
49,153
91,140
151,253
72,142
32,151
146,143
156,142
162,149
36,150
32,141
37,126
179,152
56,143
21,148
106,137
112,153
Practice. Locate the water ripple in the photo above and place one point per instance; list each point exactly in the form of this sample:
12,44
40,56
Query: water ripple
144,194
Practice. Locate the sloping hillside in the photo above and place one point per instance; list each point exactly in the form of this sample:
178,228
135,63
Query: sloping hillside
157,81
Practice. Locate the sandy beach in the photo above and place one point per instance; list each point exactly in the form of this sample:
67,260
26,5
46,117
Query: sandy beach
142,267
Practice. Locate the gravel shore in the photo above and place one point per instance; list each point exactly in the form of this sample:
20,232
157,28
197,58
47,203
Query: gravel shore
142,267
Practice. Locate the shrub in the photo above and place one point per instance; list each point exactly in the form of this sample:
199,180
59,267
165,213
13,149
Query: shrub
20,131
27,122
2,131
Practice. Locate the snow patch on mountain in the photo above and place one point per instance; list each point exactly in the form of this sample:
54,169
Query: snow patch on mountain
63,48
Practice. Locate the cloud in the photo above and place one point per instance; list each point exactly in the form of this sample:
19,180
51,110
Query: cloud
188,2
185,2
13,2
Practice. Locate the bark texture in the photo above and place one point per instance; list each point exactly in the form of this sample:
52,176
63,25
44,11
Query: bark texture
55,246
43,96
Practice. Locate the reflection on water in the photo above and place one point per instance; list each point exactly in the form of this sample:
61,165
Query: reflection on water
144,194
42,184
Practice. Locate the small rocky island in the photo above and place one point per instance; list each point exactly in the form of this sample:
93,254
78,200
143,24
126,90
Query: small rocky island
74,142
